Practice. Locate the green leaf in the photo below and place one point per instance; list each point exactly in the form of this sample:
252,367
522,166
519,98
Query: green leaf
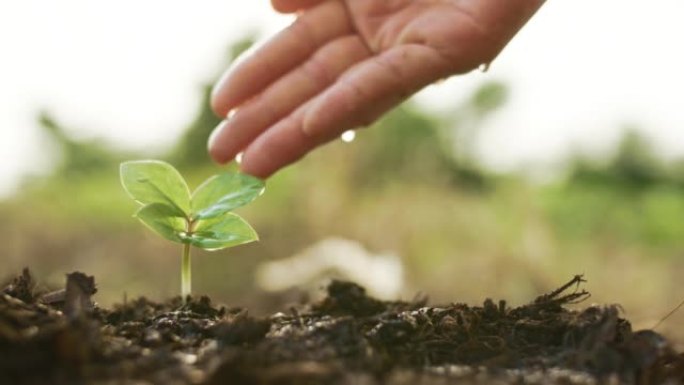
153,181
225,231
164,220
223,193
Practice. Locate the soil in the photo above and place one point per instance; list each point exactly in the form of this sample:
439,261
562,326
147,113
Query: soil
62,337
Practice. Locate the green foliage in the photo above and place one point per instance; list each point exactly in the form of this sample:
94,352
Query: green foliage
220,232
203,219
164,220
635,162
586,212
223,193
153,181
634,167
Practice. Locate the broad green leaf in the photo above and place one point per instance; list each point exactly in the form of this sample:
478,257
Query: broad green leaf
223,193
163,220
225,231
153,181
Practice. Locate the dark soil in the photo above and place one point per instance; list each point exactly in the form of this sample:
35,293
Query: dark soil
347,338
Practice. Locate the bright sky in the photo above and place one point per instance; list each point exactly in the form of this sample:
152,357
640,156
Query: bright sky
129,71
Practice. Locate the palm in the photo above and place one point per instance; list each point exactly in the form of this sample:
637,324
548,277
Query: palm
435,25
345,63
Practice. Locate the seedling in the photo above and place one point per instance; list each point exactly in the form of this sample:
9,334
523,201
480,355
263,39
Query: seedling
203,219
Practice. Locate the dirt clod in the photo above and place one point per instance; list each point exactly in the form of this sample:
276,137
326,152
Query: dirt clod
21,287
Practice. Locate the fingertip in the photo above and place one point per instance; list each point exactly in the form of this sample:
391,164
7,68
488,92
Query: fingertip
221,100
254,166
237,83
218,108
279,6
217,150
291,6
273,150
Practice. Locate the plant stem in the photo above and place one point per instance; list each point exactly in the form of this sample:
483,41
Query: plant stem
186,280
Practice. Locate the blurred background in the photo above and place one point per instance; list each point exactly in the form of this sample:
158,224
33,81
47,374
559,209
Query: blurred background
565,158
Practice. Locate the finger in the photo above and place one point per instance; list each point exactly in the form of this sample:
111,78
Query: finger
279,55
281,145
289,6
372,88
285,95
358,97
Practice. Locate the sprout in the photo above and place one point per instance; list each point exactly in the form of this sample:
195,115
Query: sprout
203,219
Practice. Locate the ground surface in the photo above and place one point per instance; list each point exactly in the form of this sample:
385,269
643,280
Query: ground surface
347,338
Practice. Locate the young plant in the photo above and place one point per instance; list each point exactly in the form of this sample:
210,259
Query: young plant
203,219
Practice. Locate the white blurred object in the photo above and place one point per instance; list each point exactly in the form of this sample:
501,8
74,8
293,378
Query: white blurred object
348,136
381,274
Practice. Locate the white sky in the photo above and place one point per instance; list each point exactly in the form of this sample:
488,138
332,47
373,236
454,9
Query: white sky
129,71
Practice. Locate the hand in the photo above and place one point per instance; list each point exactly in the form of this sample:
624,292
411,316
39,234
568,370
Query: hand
343,63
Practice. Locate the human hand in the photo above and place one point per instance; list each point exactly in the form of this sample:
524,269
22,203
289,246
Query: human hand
342,64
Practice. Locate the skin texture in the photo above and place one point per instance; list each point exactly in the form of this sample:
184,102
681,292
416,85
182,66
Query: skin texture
344,63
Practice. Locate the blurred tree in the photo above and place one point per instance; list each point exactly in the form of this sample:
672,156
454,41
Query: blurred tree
411,143
633,166
191,149
676,172
78,158
467,120
489,97
405,144
465,128
635,163
582,169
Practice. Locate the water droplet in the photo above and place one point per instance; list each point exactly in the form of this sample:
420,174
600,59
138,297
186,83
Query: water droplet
348,136
238,157
484,67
